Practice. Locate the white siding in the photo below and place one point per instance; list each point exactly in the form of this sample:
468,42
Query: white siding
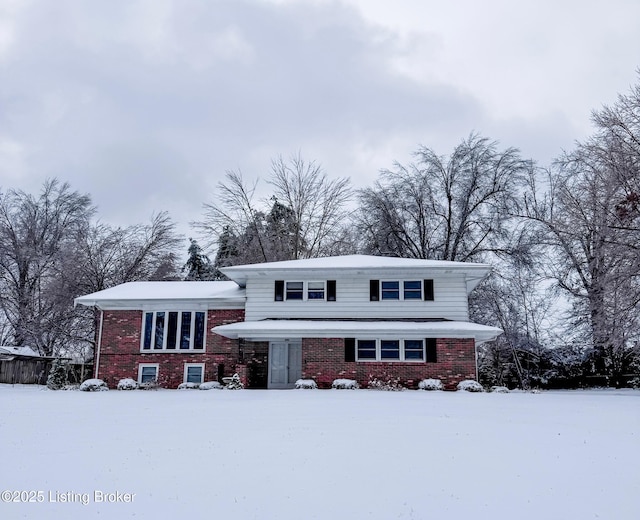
352,300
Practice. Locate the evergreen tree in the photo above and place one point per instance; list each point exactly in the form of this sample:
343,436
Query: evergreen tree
198,266
57,378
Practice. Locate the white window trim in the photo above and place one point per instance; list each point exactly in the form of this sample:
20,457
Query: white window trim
186,369
401,359
147,365
305,291
401,290
177,348
324,290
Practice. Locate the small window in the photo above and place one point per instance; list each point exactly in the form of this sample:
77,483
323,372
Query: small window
315,291
198,342
159,343
390,290
193,373
389,349
366,349
413,349
294,290
147,373
412,290
148,330
185,331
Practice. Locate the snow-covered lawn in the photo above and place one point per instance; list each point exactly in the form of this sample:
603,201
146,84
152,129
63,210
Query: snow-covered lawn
328,454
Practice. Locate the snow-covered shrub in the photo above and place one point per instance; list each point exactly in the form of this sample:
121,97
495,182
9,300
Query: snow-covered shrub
127,384
430,384
57,378
234,383
210,385
499,389
149,385
385,382
94,385
635,382
188,386
345,384
306,384
469,385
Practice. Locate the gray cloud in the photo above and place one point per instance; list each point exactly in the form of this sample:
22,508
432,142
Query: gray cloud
146,104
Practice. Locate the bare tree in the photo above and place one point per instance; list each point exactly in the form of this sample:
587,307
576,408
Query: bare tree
591,220
449,208
36,235
301,219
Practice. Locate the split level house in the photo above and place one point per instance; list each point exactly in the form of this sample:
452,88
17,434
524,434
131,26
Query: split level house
353,317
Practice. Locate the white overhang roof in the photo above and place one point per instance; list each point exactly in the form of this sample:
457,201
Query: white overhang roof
133,295
367,264
265,330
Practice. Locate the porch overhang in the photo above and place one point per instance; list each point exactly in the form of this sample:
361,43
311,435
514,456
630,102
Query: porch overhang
268,330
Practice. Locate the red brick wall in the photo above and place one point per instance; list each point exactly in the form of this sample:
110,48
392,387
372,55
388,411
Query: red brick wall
323,361
120,349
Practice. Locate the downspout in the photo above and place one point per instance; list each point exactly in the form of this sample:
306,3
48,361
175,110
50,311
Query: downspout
475,348
97,357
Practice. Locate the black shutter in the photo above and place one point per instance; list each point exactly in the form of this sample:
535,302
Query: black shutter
279,291
349,349
374,290
331,290
432,353
428,290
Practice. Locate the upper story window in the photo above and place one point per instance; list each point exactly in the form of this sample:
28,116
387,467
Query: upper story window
173,331
400,290
294,290
305,291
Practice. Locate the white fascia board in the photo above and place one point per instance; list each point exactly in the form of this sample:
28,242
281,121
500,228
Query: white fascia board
164,304
281,329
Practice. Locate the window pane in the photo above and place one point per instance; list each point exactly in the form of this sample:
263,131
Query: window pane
148,330
413,290
172,330
148,374
294,290
366,349
185,330
194,374
389,349
390,290
159,330
198,341
413,349
315,291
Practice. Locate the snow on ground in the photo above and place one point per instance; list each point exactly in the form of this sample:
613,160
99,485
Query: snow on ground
326,454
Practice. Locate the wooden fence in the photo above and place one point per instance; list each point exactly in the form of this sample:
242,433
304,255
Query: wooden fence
24,371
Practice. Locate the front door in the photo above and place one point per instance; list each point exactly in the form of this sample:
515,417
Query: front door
285,363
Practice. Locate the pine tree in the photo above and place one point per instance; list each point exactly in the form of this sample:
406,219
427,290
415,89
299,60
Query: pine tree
57,378
198,266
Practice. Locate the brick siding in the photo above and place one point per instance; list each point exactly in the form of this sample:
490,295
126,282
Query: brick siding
323,361
120,350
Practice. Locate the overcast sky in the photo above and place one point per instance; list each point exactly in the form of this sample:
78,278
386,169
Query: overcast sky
144,104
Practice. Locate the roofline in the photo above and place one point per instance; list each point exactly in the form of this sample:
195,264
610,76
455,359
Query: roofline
265,330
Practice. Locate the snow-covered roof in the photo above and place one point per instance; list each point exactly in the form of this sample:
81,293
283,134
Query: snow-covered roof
474,272
134,294
280,329
19,351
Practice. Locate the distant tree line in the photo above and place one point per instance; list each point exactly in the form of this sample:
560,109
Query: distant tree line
564,241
